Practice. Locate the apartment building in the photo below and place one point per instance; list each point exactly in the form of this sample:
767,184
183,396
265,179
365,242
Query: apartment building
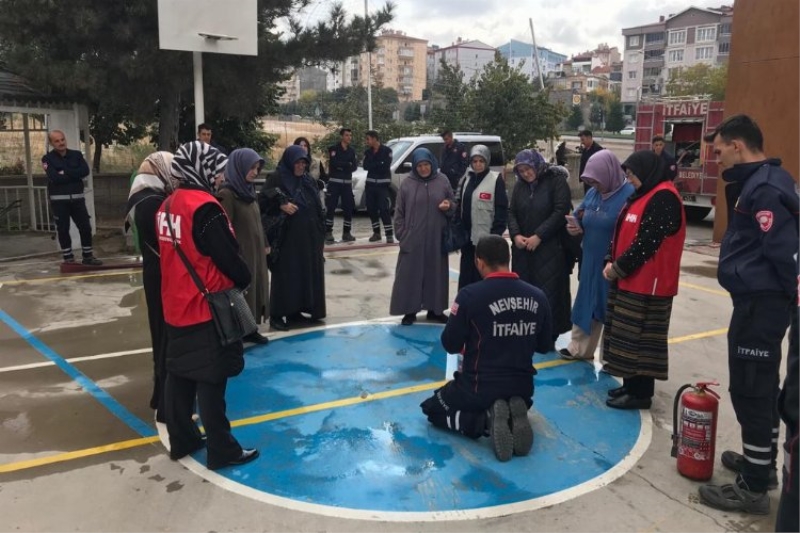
470,56
586,72
519,53
398,62
655,52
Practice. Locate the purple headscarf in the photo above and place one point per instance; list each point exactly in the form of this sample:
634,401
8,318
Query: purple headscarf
604,168
239,164
533,159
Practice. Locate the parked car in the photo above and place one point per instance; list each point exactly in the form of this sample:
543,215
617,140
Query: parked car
628,130
403,147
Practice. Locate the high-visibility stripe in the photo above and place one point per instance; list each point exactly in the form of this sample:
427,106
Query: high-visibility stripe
764,449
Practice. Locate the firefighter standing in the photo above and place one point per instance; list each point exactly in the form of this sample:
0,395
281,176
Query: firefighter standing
377,163
341,164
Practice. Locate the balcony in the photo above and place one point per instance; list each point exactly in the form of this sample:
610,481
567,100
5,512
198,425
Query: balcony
406,52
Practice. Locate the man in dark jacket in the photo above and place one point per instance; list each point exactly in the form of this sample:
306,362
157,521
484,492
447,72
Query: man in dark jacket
670,166
758,267
788,402
498,324
65,171
454,160
341,164
378,163
588,148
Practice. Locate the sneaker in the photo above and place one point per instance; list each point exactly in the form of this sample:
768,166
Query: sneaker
348,237
734,461
521,430
408,319
500,430
92,261
329,238
376,237
735,497
389,239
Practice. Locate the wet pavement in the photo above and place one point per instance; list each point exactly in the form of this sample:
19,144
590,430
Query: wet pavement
327,406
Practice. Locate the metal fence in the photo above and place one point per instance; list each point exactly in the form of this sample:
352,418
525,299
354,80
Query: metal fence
15,209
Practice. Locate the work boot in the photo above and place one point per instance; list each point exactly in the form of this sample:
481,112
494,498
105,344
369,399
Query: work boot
376,237
734,461
389,239
348,237
91,261
329,238
500,430
735,496
521,430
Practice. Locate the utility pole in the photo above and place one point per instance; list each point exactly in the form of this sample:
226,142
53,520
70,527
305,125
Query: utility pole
369,72
541,76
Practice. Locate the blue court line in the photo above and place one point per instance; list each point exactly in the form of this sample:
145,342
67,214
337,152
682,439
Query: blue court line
116,408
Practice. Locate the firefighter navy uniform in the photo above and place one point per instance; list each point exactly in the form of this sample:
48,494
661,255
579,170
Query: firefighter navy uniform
341,164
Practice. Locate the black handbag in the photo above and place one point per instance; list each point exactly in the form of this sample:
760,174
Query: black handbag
454,236
230,313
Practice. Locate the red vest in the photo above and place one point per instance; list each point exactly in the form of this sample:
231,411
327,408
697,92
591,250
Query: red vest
183,303
659,275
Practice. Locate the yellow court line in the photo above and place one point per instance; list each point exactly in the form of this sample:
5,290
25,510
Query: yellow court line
344,402
68,456
704,289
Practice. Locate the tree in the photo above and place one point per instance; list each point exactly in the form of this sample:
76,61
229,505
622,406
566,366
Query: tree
107,53
597,115
448,92
699,79
575,119
412,112
616,119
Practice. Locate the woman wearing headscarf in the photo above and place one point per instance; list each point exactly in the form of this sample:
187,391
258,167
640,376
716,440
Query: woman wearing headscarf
237,195
643,268
424,203
594,219
295,227
539,202
192,220
482,209
152,183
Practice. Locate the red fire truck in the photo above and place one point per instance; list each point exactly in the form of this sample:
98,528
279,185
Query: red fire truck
683,122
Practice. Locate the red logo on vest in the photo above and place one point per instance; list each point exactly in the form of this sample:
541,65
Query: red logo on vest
765,219
485,196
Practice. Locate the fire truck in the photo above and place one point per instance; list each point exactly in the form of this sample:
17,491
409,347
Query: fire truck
683,122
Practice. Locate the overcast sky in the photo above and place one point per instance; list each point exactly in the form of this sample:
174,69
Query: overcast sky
564,26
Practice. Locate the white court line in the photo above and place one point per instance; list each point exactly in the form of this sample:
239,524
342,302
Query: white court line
75,360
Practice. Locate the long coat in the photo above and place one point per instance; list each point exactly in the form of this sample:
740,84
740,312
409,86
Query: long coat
298,276
245,218
598,218
539,208
421,278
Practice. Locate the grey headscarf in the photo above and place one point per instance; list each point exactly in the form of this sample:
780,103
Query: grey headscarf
239,164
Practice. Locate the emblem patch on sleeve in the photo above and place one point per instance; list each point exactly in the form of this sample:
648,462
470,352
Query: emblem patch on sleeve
765,219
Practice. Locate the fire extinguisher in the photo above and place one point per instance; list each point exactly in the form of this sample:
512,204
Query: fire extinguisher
695,435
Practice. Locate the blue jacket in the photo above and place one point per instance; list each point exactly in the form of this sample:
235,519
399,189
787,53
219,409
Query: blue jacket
454,162
378,165
499,323
760,247
341,163
65,174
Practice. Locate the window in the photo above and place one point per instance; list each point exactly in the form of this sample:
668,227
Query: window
577,85
652,72
653,54
725,29
654,38
674,72
706,34
631,93
631,74
724,48
704,52
677,37
675,56
633,40
634,58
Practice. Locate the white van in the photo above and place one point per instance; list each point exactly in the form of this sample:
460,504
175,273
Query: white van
403,147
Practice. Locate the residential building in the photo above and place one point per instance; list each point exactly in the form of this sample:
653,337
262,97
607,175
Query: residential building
586,72
398,62
469,56
655,52
519,53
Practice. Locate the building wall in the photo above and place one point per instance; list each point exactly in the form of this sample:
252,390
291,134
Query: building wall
764,81
470,56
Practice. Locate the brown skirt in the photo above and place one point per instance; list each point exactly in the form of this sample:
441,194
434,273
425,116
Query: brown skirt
635,334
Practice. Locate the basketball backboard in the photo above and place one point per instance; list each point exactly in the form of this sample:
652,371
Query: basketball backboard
222,27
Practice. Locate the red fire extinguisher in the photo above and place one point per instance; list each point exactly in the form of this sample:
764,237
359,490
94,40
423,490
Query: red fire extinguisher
695,435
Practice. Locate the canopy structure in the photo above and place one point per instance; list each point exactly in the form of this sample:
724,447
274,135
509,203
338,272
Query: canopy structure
19,97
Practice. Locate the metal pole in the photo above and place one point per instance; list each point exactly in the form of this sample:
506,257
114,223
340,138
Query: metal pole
29,169
199,102
369,72
541,76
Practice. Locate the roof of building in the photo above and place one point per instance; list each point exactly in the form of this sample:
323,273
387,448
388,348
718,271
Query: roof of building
466,44
16,91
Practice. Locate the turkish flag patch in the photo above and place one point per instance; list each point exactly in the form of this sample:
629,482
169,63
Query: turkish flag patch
485,196
765,219
454,309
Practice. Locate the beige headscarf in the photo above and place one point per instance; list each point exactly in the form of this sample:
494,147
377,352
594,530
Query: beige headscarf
155,173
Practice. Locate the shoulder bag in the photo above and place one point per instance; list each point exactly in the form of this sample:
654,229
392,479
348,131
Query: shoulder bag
230,313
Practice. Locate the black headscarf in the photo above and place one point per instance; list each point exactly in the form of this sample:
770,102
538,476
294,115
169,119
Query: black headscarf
649,168
291,183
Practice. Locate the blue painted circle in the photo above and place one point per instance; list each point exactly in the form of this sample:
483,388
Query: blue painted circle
383,455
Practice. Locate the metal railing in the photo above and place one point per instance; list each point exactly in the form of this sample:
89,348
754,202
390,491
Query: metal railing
15,207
